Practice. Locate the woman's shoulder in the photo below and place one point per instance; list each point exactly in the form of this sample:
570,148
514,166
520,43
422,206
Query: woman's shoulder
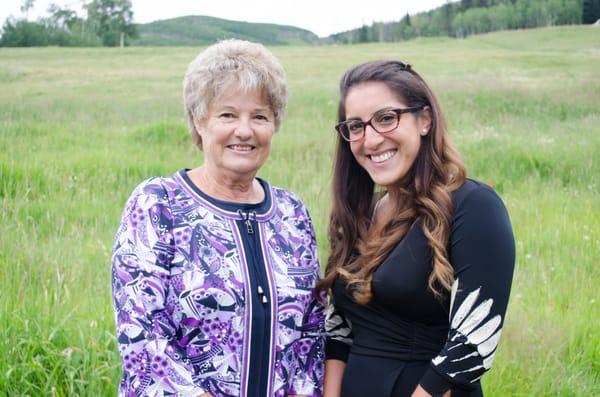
476,197
473,190
152,186
155,188
285,196
289,202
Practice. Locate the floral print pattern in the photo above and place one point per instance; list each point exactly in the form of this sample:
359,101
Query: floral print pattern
181,297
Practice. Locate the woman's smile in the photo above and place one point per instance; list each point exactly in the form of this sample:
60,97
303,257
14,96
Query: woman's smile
241,148
382,157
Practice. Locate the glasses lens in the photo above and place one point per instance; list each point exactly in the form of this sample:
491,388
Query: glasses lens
385,121
354,129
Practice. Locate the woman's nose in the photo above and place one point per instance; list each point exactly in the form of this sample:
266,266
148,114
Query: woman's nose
243,128
372,137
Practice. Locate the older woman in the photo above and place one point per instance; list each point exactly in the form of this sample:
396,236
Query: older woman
421,267
213,268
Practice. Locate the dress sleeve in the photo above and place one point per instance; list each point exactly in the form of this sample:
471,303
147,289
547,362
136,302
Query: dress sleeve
482,253
141,261
339,333
308,378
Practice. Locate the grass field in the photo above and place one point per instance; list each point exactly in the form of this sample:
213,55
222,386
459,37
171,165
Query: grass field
79,128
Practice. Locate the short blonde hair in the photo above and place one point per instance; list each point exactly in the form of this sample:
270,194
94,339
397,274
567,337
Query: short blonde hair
230,64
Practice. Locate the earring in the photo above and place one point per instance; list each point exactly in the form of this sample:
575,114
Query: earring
425,131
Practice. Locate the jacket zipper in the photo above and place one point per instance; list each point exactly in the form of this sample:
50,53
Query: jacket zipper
260,341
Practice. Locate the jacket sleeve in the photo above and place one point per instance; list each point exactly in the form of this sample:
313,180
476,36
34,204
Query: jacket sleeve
482,254
308,378
141,260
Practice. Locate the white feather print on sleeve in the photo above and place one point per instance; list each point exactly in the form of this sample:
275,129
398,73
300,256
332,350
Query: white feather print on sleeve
471,326
465,308
337,326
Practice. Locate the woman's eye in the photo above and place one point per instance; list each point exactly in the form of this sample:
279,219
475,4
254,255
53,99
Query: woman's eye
226,115
355,127
261,117
387,118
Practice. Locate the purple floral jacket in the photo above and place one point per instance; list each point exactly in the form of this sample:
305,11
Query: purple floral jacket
216,297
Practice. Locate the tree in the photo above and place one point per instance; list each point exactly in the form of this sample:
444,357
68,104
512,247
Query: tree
26,6
22,33
112,20
66,28
591,11
406,19
571,14
446,18
363,34
458,26
375,32
466,4
498,17
63,18
441,21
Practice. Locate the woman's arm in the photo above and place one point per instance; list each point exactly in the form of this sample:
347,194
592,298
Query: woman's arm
420,392
339,340
310,346
309,374
482,253
141,261
334,371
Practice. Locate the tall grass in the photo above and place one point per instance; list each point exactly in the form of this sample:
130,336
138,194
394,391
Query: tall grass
79,128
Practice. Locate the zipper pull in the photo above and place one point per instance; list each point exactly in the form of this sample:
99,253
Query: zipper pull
249,227
247,221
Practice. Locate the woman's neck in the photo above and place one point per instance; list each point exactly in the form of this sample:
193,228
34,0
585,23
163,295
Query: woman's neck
233,188
389,202
380,212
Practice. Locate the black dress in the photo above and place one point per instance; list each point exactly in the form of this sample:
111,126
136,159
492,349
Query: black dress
405,336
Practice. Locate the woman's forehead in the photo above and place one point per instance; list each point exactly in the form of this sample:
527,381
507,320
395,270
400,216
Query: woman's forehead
366,98
235,96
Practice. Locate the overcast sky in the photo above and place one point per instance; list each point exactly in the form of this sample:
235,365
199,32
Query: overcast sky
322,17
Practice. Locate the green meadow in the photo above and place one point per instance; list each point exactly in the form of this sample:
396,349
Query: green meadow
80,128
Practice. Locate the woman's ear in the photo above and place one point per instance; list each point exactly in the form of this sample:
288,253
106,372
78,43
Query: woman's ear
199,130
425,120
198,126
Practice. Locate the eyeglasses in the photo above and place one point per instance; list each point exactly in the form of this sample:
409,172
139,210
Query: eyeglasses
382,121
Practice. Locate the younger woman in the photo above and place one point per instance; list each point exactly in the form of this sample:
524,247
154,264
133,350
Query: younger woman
421,258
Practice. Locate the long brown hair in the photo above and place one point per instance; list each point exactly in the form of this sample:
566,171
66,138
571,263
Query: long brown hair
425,191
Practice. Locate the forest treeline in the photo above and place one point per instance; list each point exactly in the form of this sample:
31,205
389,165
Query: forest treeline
110,23
105,23
466,17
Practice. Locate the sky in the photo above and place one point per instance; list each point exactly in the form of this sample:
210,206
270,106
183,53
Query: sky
322,17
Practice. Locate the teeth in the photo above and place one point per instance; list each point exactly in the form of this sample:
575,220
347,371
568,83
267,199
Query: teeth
241,148
380,158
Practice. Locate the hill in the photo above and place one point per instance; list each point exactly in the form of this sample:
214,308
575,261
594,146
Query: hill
202,30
